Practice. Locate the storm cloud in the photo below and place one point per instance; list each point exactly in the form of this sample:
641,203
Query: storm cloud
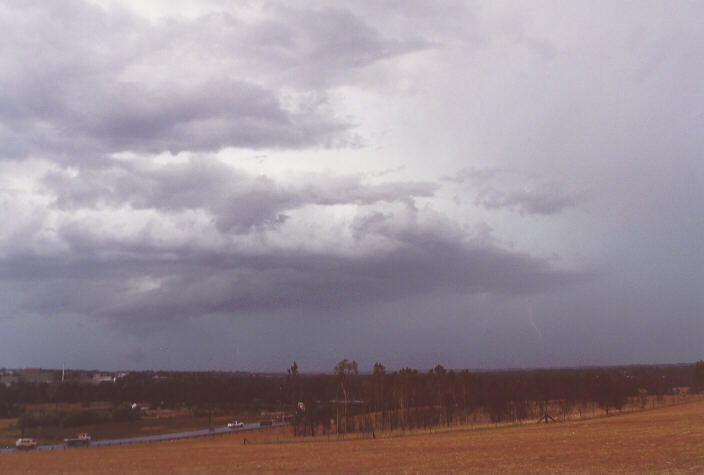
80,80
238,201
201,237
237,185
181,285
501,189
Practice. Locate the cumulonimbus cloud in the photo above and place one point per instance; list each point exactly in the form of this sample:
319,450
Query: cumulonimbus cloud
515,191
80,80
158,241
238,201
129,281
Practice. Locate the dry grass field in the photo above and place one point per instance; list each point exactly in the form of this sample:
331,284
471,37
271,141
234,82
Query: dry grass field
669,439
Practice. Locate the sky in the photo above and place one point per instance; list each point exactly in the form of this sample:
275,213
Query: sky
220,185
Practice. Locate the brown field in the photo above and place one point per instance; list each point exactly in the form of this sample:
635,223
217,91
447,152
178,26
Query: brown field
667,439
161,421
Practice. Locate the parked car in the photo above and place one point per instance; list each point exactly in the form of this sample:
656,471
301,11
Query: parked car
235,424
265,423
26,444
83,440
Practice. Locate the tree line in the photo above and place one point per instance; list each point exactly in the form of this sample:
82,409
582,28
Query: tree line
349,401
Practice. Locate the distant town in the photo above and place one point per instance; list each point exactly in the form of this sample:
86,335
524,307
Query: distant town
9,377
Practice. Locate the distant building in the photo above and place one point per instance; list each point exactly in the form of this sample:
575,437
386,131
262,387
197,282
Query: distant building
38,375
102,378
683,390
9,379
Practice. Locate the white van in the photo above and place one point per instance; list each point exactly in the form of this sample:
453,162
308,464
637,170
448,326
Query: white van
26,444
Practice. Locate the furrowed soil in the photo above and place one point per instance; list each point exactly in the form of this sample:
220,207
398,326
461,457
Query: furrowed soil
669,439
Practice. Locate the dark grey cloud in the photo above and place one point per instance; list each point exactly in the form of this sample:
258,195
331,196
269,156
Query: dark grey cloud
330,42
519,192
547,198
586,116
132,117
238,201
80,80
390,250
129,283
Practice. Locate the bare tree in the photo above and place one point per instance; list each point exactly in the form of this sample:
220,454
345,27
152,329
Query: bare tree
699,376
293,394
343,370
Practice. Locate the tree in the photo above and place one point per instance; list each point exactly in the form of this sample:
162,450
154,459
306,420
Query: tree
642,397
378,384
441,391
292,385
608,392
468,391
343,372
406,388
293,394
496,402
699,376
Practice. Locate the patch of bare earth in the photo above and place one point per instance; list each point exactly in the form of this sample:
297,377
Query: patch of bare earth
667,439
